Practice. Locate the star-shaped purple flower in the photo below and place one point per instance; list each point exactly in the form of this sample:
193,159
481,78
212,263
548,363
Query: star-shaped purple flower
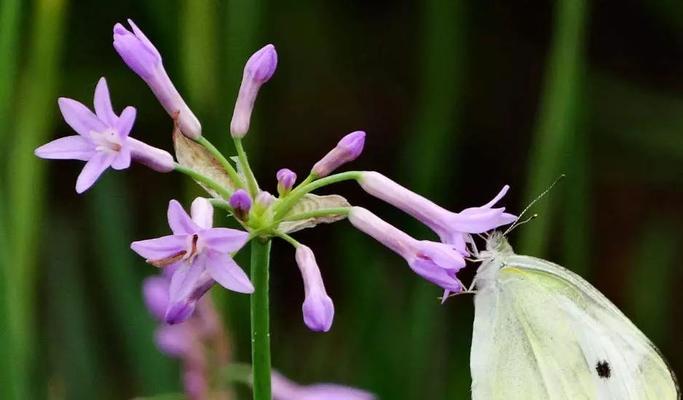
196,255
102,140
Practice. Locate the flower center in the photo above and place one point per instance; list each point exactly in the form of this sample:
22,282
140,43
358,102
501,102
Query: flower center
107,141
193,248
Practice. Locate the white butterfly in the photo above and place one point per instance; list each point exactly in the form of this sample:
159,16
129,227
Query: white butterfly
543,332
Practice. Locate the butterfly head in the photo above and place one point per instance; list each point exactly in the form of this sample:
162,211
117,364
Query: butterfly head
497,243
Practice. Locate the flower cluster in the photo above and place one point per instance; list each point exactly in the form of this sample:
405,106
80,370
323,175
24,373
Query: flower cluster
197,255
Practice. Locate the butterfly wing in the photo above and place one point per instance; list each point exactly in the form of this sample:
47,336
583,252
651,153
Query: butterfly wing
542,332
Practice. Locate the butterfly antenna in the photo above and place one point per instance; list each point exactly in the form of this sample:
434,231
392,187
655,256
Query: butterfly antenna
539,197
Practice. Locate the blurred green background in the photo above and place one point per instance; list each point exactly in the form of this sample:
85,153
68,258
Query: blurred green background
458,98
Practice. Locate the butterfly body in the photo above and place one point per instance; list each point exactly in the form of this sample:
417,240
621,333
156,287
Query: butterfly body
543,332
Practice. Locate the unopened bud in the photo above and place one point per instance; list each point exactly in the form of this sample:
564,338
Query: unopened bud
348,149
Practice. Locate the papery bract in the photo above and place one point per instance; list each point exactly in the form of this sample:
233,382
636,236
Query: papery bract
103,140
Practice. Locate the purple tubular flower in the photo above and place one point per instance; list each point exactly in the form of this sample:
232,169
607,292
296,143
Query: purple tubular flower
285,389
436,262
318,308
285,180
102,140
144,59
197,255
348,149
259,69
240,203
453,228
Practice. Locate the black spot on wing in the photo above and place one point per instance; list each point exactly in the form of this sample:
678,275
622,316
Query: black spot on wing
603,369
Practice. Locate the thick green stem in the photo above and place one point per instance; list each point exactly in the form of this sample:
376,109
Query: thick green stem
295,195
246,168
223,191
260,320
236,178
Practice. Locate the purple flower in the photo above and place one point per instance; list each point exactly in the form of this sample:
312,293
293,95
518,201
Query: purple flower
259,69
348,149
453,228
318,308
144,59
102,140
285,389
285,180
435,262
197,255
240,203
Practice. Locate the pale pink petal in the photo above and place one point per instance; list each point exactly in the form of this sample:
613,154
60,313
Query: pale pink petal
224,240
160,248
79,117
227,273
125,122
179,221
122,160
102,103
67,148
202,212
499,196
99,162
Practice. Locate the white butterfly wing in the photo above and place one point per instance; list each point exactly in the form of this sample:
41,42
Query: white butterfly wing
542,332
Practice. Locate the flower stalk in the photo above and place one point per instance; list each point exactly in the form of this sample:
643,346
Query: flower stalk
260,319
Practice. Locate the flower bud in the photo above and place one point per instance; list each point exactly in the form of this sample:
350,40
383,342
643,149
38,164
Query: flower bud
258,70
152,157
138,52
240,203
348,149
285,180
318,308
262,201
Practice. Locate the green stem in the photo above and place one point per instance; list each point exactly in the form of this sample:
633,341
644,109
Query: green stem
236,178
295,195
246,168
323,212
260,324
288,239
223,191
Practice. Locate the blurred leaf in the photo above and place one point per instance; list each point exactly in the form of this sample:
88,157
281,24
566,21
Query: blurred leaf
35,110
655,267
312,202
429,148
110,212
557,118
71,331
193,155
10,15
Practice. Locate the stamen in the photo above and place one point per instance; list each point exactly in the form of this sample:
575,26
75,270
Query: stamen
168,260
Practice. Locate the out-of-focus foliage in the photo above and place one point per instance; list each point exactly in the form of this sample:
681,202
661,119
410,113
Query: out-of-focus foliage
457,97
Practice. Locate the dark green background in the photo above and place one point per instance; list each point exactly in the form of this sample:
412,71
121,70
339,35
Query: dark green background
458,98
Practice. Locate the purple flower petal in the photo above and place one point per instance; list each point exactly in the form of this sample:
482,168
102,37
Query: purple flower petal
99,162
441,254
122,159
125,122
434,273
188,283
67,148
224,240
102,102
161,248
174,340
155,293
179,221
156,159
227,273
79,117
202,212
